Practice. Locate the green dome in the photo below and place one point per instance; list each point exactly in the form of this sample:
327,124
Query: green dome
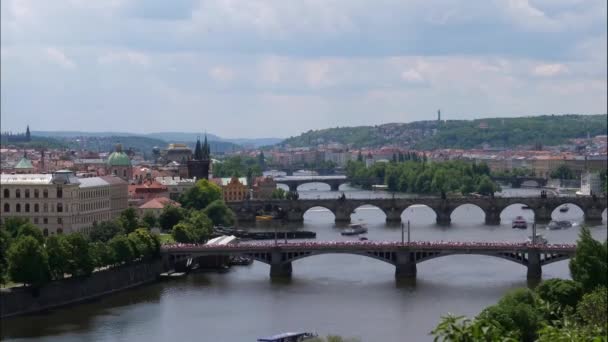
119,158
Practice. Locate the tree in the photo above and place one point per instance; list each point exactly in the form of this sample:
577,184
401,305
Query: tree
561,291
170,216
142,244
589,265
261,160
28,261
486,186
128,220
101,253
121,249
200,195
104,231
461,329
80,261
219,213
58,250
562,172
149,220
183,233
12,224
201,225
29,229
592,310
278,193
5,242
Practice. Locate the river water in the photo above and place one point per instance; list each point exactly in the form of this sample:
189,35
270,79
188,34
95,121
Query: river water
349,295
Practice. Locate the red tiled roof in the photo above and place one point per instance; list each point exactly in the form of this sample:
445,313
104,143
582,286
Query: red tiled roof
158,203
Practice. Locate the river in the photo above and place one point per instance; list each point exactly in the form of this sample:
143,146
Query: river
349,295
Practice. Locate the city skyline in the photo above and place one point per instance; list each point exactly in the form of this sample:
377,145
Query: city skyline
144,66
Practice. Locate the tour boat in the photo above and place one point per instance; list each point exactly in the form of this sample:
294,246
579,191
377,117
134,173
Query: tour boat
520,223
263,218
564,208
554,225
289,337
541,240
354,229
363,238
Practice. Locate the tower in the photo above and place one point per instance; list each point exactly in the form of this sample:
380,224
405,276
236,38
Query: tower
198,165
438,116
27,134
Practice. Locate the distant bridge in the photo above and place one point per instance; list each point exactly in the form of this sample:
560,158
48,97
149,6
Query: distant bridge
517,181
293,182
492,207
404,256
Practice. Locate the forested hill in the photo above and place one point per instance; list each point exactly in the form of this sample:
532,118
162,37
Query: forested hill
497,132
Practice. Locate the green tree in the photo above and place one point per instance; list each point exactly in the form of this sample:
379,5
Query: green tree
121,249
461,329
592,310
278,193
170,216
12,224
80,261
200,195
219,213
562,172
28,261
486,186
149,220
561,291
58,250
200,224
589,266
29,229
104,231
183,233
5,242
101,253
142,243
128,220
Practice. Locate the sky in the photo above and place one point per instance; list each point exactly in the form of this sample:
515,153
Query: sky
254,68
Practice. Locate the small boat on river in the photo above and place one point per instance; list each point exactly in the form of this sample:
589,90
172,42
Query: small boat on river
564,208
526,207
540,240
263,218
519,223
354,229
289,337
555,225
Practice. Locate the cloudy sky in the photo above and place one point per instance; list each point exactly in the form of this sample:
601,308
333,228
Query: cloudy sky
254,68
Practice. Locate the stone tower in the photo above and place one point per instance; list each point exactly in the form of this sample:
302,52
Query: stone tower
28,137
198,165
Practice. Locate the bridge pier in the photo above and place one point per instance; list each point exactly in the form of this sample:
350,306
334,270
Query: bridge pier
493,217
342,216
534,267
593,215
393,216
293,187
335,186
279,268
406,266
443,218
295,216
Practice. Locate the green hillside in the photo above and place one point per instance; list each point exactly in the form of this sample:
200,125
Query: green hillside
497,132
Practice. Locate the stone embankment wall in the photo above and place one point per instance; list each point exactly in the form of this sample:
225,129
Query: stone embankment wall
18,301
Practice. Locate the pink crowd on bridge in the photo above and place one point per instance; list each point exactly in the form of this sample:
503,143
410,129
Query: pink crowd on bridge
375,244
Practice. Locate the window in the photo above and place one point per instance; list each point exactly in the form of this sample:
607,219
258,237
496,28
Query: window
35,220
27,193
7,207
27,207
7,193
18,193
45,193
18,207
45,207
59,207
59,192
124,173
45,220
36,207
36,193
59,220
45,232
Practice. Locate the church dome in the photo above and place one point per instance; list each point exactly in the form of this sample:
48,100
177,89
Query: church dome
119,158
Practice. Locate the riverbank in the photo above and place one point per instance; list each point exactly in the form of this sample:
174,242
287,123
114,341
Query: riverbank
20,301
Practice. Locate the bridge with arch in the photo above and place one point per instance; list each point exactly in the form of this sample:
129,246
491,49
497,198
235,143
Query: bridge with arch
293,210
518,181
404,256
293,182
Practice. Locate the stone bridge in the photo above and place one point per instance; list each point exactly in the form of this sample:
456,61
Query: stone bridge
517,181
404,256
293,210
293,182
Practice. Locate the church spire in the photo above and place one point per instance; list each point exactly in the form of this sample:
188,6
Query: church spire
206,149
27,133
198,153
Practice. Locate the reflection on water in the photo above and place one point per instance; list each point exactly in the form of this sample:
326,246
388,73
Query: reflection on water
327,293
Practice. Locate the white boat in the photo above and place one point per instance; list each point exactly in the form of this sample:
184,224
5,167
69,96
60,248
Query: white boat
354,229
519,223
540,240
554,225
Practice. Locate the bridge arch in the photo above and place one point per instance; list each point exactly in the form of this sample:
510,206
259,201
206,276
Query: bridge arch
510,212
575,212
469,213
384,256
419,214
324,211
368,212
314,186
531,183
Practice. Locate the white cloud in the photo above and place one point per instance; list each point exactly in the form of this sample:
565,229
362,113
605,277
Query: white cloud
57,56
549,70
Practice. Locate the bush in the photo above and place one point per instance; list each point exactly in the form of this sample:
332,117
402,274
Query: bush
28,261
561,291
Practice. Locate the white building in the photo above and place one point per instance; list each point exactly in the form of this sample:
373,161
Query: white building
61,202
590,184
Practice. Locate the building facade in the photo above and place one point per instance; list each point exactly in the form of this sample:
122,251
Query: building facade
119,164
61,202
198,165
235,190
